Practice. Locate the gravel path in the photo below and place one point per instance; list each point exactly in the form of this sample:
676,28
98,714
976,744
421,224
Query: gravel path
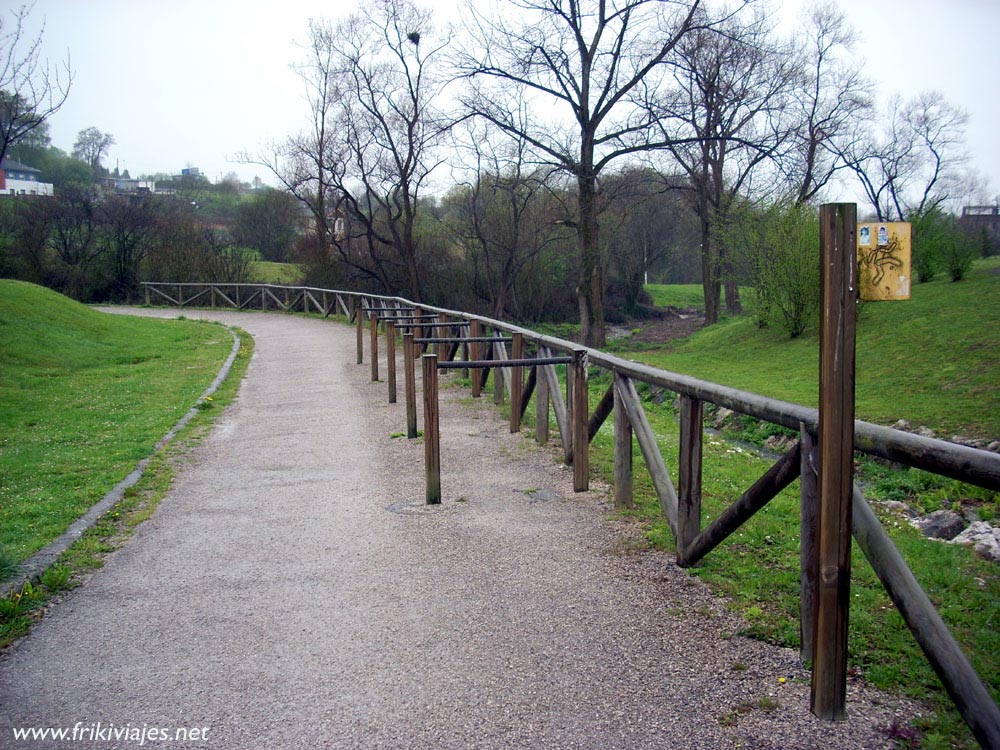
293,592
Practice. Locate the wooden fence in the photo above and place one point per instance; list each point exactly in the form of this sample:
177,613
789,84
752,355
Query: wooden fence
485,344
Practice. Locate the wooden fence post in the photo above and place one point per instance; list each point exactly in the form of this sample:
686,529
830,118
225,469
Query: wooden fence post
441,332
838,297
541,405
146,290
373,322
581,422
390,354
497,373
571,424
623,452
421,332
808,559
409,366
475,331
689,473
516,382
359,318
432,437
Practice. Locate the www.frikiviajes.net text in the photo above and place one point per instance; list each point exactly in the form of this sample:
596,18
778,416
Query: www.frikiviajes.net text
100,732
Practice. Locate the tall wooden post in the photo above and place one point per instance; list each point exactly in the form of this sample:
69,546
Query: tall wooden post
581,418
838,297
359,318
623,452
808,556
516,382
409,366
689,484
373,322
212,295
432,436
390,355
475,331
146,290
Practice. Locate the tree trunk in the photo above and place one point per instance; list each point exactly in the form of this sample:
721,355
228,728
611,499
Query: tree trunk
710,281
728,271
590,291
733,305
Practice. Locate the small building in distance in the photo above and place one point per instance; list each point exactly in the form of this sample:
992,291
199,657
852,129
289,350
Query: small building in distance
127,186
20,179
985,221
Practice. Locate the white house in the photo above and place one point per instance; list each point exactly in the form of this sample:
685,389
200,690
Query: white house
20,179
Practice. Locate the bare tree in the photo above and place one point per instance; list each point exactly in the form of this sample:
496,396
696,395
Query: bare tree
387,61
833,96
30,90
371,85
588,64
503,219
309,164
75,235
92,145
725,124
911,165
647,217
128,232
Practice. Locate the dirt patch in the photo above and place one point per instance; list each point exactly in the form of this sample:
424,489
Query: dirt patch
669,325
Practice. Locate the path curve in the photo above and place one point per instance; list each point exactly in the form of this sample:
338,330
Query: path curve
292,592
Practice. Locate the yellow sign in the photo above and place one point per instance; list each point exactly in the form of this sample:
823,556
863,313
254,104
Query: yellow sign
884,260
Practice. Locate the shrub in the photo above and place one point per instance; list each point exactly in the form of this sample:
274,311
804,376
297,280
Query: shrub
779,247
940,242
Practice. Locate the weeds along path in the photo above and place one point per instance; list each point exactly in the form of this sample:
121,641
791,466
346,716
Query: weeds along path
293,592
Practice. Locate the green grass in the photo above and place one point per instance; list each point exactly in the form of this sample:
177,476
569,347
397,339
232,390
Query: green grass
757,570
268,272
22,608
934,360
83,397
677,295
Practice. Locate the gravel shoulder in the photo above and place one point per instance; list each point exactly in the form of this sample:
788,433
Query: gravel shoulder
292,591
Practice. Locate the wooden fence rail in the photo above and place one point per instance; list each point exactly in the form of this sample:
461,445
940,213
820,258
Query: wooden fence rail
485,351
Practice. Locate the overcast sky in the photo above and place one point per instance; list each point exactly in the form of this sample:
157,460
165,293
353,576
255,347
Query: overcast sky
193,82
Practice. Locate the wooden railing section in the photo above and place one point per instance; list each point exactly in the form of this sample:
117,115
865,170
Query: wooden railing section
483,343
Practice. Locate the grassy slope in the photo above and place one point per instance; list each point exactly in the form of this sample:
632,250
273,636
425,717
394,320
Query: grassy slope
83,397
268,272
934,360
677,295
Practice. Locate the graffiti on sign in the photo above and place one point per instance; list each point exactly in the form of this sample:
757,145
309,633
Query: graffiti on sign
884,260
